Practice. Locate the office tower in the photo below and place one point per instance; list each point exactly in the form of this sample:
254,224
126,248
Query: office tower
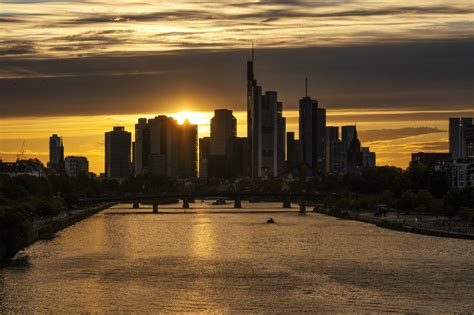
312,129
332,136
142,146
354,156
264,129
187,155
223,130
237,157
469,139
56,154
164,148
294,156
368,158
204,153
348,133
338,156
117,153
76,165
281,139
457,141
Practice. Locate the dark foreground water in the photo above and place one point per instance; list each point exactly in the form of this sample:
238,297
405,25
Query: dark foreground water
121,260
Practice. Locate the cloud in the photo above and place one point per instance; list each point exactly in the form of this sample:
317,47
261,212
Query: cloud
8,48
391,134
425,75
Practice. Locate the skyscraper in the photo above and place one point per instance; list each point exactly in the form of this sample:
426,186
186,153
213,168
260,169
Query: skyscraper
187,155
204,153
293,156
223,128
457,141
164,147
265,129
354,155
142,146
56,154
117,153
223,131
312,129
332,136
348,133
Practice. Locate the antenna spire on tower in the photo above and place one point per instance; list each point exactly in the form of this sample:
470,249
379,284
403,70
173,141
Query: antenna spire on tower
252,51
306,87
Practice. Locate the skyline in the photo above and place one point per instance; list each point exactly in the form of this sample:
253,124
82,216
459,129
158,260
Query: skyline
393,146
400,68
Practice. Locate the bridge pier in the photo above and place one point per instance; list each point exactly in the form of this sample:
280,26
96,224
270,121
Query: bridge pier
302,206
185,203
136,205
155,207
237,202
287,203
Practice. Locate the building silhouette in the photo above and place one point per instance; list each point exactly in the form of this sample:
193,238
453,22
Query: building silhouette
223,154
312,132
187,154
56,154
469,138
164,147
204,154
430,159
75,165
354,154
457,141
265,129
117,153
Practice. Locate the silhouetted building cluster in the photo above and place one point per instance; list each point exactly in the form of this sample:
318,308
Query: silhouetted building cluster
71,165
164,147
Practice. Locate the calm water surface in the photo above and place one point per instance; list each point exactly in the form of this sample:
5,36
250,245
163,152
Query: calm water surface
128,260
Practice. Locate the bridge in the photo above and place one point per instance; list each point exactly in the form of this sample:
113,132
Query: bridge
237,197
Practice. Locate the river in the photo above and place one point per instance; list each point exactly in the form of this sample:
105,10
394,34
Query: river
216,258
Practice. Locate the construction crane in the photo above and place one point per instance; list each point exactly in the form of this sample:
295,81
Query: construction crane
21,155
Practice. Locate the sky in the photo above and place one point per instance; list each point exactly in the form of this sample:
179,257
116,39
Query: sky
398,69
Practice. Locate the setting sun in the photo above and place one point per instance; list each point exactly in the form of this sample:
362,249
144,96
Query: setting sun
193,117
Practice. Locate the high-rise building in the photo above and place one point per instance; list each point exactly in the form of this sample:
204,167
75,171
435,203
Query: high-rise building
347,134
354,155
56,154
223,129
117,153
76,165
265,129
338,156
368,158
164,147
237,156
332,136
187,155
204,153
312,130
457,141
142,146
293,153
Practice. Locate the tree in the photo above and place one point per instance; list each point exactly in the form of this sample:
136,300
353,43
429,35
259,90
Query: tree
408,201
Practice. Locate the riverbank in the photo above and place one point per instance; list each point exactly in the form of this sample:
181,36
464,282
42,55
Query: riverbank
47,228
401,224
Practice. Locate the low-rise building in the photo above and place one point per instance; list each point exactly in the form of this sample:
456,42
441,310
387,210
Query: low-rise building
76,165
460,172
23,167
